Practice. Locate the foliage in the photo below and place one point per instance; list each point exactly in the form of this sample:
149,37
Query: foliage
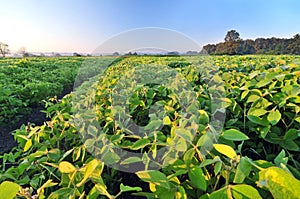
233,45
256,154
232,35
3,49
24,83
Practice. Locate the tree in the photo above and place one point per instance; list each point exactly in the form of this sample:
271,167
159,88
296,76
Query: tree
233,45
247,47
23,52
4,49
260,46
221,49
294,45
173,53
191,52
232,35
76,54
115,54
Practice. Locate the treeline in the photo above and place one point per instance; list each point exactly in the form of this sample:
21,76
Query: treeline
234,45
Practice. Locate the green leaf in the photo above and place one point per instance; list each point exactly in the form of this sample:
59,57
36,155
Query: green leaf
165,193
205,196
280,158
140,144
225,102
254,74
131,160
9,190
262,163
66,154
110,158
188,156
37,154
253,98
89,143
89,169
217,167
62,193
244,94
66,167
258,120
49,183
116,138
225,150
262,83
274,117
244,191
153,125
185,134
264,130
234,135
292,134
181,145
54,154
125,188
280,183
290,145
210,161
155,177
92,130
231,122
220,194
257,91
181,193
203,118
197,178
93,194
242,171
257,112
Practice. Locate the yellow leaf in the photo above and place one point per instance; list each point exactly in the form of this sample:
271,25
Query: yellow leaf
66,167
27,145
89,169
167,120
225,150
9,190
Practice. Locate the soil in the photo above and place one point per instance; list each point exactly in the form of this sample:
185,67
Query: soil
7,141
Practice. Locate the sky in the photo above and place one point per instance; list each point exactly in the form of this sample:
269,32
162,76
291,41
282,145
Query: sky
82,25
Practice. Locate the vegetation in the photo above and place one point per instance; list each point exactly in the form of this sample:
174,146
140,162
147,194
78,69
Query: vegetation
24,83
255,153
234,45
3,49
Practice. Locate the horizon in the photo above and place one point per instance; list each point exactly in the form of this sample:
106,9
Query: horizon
79,26
138,51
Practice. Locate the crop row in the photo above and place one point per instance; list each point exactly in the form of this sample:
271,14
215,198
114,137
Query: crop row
168,127
24,83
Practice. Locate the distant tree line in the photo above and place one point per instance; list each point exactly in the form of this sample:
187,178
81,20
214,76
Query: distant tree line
234,45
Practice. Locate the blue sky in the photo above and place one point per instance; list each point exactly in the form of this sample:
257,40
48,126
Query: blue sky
81,26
